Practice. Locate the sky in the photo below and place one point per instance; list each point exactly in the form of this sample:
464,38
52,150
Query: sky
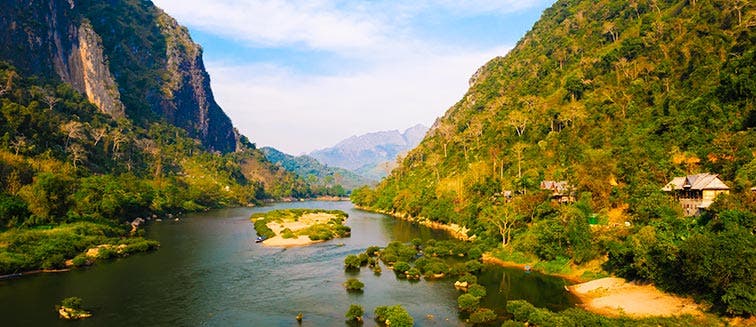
304,75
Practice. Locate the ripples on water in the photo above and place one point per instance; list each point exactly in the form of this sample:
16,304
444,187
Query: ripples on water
209,272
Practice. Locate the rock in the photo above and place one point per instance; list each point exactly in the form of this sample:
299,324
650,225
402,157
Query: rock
73,314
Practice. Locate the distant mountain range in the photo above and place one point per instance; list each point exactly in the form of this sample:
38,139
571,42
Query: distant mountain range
315,173
371,155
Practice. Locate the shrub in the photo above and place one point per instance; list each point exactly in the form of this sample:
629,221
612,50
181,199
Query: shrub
468,302
401,267
79,260
72,303
354,284
355,312
470,279
395,316
475,253
287,233
262,228
482,315
413,273
372,250
352,262
363,259
476,290
473,266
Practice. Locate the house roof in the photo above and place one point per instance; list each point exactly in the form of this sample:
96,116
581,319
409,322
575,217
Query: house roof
557,187
701,182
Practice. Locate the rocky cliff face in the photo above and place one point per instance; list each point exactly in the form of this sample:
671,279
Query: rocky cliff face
127,56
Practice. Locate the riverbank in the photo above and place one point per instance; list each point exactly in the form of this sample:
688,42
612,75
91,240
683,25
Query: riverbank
616,297
456,231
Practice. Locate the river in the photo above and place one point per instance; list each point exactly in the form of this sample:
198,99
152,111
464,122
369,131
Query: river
209,272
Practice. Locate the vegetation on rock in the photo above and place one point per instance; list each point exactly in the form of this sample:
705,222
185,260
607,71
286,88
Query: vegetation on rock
615,99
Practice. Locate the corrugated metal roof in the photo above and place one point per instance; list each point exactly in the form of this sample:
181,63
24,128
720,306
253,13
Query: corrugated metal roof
703,181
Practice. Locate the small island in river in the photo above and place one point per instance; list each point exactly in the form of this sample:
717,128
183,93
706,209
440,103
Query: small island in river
297,227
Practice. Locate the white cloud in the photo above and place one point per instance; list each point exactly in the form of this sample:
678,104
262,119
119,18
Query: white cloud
302,113
385,76
313,24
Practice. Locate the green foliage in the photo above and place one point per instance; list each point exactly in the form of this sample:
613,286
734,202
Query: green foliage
524,312
352,262
482,315
262,228
355,312
616,99
560,265
354,284
73,302
372,250
30,249
468,302
401,267
394,315
323,180
476,290
470,279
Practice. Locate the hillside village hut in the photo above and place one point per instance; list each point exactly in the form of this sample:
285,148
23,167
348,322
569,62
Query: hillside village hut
560,191
696,192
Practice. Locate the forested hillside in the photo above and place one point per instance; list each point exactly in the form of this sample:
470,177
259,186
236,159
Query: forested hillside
325,180
615,98
106,115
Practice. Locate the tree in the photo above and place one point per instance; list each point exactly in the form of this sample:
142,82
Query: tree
355,313
77,153
73,130
19,143
46,95
352,262
468,302
504,217
48,197
354,284
395,316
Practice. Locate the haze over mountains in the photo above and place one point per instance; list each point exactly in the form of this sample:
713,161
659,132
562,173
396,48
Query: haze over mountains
368,154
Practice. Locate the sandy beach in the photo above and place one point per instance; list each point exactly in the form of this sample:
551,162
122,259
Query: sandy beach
303,222
615,296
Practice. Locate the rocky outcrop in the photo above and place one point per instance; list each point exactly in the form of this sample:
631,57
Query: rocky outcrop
188,99
98,83
128,57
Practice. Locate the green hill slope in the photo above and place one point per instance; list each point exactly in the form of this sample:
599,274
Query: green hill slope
329,180
615,98
106,115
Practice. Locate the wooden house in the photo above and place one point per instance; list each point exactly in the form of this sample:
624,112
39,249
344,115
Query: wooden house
561,191
696,192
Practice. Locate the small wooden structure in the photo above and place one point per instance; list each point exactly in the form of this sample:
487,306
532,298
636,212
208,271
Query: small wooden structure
696,192
561,191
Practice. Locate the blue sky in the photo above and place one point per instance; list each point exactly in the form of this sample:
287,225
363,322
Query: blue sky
303,75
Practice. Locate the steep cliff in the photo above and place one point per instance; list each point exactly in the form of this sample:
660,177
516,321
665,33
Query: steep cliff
127,56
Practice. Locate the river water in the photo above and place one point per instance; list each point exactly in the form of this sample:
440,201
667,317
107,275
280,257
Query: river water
209,272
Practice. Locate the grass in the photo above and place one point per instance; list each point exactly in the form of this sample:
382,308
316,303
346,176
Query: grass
316,232
32,249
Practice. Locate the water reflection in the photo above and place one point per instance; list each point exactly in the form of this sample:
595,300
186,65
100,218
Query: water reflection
210,272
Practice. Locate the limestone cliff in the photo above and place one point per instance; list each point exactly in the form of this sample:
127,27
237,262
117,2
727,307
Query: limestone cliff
127,56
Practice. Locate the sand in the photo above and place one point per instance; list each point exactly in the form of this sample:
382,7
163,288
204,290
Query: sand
305,221
615,296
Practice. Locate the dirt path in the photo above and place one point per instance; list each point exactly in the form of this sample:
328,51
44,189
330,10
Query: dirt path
615,296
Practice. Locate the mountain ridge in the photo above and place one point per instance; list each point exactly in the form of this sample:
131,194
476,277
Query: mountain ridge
128,57
318,174
371,149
